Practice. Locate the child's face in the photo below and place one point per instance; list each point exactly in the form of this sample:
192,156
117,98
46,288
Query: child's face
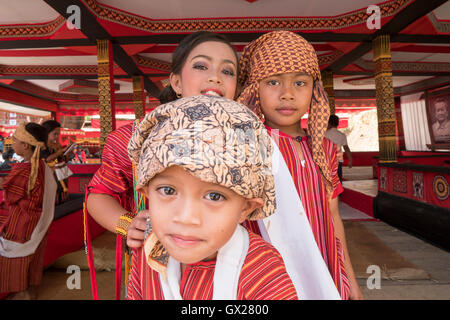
194,219
210,69
20,147
285,98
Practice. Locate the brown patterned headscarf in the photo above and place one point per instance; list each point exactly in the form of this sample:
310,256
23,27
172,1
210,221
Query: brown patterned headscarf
23,135
280,52
216,140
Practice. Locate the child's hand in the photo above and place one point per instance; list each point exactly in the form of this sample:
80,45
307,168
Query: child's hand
135,233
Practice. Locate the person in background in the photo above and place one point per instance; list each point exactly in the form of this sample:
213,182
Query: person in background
23,233
7,157
55,158
340,140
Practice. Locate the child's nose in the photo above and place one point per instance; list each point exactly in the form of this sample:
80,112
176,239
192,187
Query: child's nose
188,213
287,93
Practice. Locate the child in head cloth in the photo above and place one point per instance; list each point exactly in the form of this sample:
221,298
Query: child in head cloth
281,81
29,192
203,178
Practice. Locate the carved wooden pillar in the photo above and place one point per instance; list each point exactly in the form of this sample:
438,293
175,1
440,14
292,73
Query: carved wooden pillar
106,100
139,97
327,80
385,99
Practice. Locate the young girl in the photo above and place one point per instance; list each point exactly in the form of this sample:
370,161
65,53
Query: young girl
204,63
29,193
200,188
281,81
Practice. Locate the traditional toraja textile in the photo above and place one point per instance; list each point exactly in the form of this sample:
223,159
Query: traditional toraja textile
263,277
23,135
281,52
216,140
114,178
24,211
313,194
115,175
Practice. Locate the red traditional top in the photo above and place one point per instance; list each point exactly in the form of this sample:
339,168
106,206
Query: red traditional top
24,210
115,175
312,190
263,277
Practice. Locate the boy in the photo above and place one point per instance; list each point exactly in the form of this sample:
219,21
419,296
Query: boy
204,165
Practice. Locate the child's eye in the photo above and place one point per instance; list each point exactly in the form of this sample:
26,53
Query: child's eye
215,196
272,82
168,191
299,83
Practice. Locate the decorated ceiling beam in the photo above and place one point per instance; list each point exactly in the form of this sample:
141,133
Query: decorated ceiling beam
403,19
94,30
45,43
240,24
165,39
70,76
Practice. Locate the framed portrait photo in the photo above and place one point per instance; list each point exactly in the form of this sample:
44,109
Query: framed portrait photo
438,113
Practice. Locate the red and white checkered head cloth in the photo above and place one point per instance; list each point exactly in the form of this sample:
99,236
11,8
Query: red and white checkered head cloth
281,52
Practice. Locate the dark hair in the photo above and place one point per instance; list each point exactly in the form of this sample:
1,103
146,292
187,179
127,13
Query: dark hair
37,131
334,120
51,125
7,155
182,52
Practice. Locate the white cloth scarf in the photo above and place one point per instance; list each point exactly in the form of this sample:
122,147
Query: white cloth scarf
289,231
229,262
11,249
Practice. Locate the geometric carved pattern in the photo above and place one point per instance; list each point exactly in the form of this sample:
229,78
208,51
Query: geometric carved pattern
328,85
441,188
138,97
49,69
383,178
243,24
400,181
104,60
418,186
153,63
385,99
35,30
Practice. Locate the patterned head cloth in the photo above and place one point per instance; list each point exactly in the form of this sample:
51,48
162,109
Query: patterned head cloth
216,140
284,52
23,135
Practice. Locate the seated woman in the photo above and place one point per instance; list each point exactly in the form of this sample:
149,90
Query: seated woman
55,157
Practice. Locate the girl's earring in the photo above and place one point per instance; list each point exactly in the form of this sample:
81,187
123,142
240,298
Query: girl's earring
178,95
